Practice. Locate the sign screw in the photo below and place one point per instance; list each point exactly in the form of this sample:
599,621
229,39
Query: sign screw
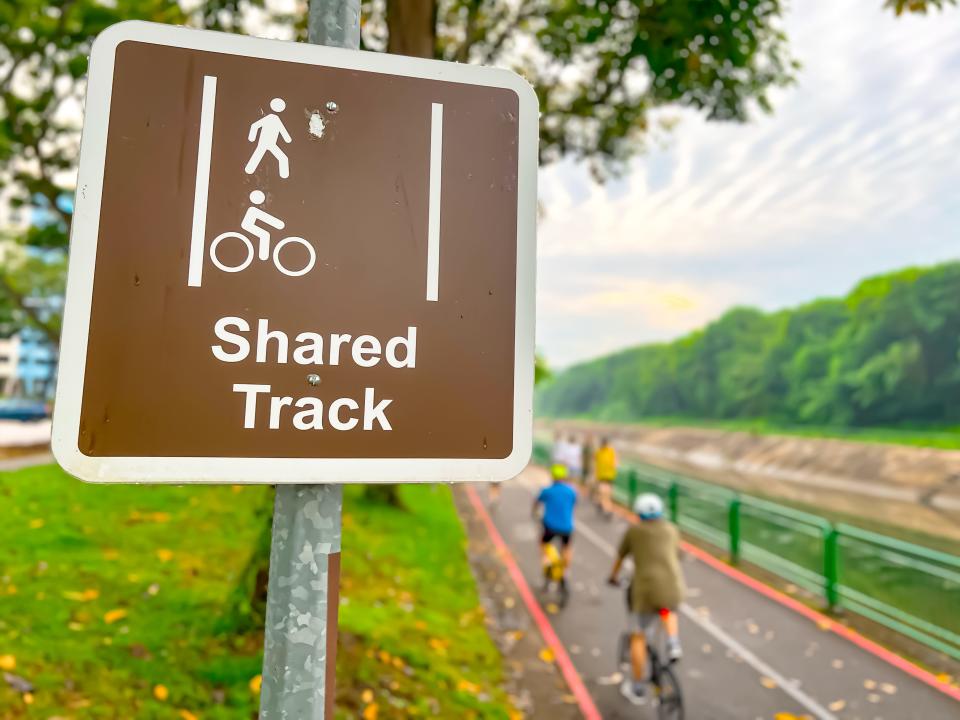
313,379
332,106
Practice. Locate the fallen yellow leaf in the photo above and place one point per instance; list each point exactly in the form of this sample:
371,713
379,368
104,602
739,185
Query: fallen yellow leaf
768,683
112,616
8,662
82,596
837,705
160,692
187,715
36,523
367,696
467,686
28,698
255,682
785,716
111,553
165,555
553,608
370,712
547,655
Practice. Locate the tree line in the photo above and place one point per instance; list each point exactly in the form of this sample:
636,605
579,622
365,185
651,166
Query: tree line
887,354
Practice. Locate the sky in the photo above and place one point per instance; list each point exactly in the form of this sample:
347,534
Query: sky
857,172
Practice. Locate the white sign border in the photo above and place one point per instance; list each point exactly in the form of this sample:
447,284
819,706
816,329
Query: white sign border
83,250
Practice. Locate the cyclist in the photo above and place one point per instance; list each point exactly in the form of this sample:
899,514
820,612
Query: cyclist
605,469
587,454
656,589
558,500
558,453
574,459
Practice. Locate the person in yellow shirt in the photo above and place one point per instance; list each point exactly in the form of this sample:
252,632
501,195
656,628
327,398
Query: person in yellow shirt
605,470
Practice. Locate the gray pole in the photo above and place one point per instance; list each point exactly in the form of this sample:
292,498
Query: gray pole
300,638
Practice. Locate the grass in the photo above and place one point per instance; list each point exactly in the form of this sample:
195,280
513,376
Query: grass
115,603
415,640
942,437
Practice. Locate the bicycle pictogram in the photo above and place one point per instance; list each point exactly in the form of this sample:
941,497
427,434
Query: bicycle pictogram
251,223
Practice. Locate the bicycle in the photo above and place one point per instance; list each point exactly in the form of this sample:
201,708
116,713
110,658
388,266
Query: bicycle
667,694
263,249
554,573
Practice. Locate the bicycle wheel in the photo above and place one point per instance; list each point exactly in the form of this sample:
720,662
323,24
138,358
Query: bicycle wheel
231,268
298,241
623,652
669,695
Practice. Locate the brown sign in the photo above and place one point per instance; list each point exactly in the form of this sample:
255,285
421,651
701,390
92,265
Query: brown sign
293,263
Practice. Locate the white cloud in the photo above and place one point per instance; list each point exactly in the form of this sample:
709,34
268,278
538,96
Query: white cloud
855,173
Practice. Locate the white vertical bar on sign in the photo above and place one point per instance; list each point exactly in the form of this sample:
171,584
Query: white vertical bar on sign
433,219
204,147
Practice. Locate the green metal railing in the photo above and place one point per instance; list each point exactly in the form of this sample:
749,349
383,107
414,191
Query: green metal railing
908,588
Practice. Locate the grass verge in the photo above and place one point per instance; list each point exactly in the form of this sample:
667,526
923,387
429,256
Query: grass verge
943,438
115,603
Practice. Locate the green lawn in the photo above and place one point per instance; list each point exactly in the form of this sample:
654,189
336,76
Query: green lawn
115,603
416,641
946,438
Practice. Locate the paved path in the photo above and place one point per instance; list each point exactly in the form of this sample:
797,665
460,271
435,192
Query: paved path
747,656
23,461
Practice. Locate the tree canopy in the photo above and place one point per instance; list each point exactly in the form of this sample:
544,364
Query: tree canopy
887,354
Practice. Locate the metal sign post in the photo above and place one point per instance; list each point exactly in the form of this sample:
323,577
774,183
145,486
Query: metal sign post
300,636
300,633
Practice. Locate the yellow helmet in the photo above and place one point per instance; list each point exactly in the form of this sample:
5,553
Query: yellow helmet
559,471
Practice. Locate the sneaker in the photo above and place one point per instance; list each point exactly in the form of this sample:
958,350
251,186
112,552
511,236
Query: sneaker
634,691
674,651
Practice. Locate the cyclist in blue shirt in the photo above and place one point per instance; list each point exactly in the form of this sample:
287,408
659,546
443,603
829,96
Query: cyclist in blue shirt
558,500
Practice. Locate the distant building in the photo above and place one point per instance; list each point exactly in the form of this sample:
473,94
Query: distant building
9,360
28,360
36,365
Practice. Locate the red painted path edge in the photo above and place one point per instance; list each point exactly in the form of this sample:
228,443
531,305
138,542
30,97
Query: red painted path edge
822,621
562,659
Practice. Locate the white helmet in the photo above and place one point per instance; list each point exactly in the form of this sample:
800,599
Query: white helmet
648,506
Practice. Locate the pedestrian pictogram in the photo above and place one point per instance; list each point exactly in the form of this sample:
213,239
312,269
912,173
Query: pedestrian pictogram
267,133
334,259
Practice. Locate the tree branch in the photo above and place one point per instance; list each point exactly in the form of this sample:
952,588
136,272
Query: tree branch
20,300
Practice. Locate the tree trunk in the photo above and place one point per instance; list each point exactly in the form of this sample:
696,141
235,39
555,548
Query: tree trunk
412,27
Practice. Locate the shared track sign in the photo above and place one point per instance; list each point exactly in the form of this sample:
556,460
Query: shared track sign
293,263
